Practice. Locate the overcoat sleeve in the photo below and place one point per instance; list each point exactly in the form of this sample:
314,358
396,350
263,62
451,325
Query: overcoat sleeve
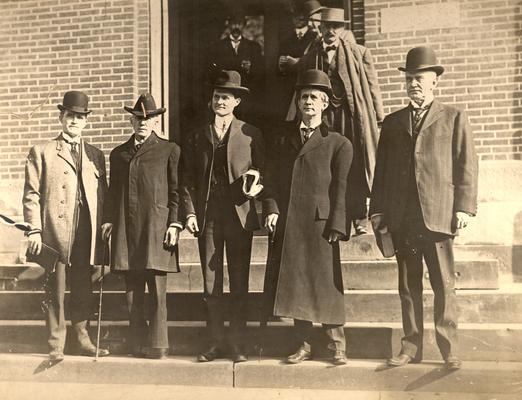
172,181
187,191
110,205
31,199
377,196
341,164
270,194
373,84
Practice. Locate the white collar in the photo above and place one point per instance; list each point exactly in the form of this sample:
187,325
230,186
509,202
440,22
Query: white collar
314,124
69,139
140,140
301,31
235,40
427,101
220,121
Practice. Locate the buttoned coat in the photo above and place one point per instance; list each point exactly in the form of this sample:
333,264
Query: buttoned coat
142,202
445,168
306,185
245,150
50,191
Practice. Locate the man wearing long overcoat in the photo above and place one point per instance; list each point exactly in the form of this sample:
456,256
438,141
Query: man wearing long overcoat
65,186
141,217
219,213
305,204
356,104
425,190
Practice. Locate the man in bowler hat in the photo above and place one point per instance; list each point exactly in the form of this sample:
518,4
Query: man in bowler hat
424,191
220,212
141,218
65,186
304,207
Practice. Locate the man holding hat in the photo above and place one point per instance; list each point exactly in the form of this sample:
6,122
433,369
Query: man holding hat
141,218
424,191
65,186
305,199
355,106
218,202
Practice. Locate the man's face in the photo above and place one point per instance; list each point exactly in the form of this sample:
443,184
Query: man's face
236,27
73,123
420,85
224,103
311,102
331,31
143,126
299,21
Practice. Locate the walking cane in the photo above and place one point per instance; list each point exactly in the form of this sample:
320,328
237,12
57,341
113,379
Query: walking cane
106,254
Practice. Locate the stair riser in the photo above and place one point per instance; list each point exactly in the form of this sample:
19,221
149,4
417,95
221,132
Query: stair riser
279,341
477,307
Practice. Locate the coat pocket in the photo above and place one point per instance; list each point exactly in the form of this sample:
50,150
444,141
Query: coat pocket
322,211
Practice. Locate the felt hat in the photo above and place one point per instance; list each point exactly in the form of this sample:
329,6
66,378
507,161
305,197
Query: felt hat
422,59
145,107
316,79
76,102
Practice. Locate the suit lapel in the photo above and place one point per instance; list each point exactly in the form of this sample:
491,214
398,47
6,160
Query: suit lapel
295,139
405,119
148,145
64,152
316,140
434,113
208,133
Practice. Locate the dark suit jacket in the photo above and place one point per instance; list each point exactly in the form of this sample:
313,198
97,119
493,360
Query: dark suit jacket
245,150
292,46
446,167
142,203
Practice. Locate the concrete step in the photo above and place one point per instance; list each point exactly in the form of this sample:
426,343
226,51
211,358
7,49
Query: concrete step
477,306
474,379
488,342
365,275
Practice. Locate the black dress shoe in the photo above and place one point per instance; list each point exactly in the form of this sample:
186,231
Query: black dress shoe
157,353
299,356
90,351
399,361
360,230
56,355
339,357
452,363
238,354
210,355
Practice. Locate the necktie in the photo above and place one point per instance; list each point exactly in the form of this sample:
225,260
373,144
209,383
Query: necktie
235,44
138,146
305,134
299,35
418,113
74,152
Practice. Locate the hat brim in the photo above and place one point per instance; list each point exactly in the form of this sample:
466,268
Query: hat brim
73,109
438,69
233,89
314,11
151,113
339,21
323,88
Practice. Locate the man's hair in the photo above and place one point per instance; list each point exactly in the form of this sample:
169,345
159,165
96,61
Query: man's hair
324,96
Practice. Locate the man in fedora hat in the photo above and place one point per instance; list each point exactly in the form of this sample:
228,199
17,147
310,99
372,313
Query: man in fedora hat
355,106
218,211
424,191
141,218
64,190
305,199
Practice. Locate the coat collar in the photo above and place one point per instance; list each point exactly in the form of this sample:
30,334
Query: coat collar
147,144
233,128
64,152
316,140
434,113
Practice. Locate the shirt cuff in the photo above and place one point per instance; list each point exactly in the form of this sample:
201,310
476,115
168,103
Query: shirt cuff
176,225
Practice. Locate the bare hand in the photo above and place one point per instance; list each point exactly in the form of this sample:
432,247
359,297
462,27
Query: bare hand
192,225
35,243
291,61
246,64
271,222
171,236
333,236
461,219
106,230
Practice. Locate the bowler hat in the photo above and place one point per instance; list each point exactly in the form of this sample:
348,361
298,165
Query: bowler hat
422,59
145,107
309,8
230,81
75,101
332,15
316,79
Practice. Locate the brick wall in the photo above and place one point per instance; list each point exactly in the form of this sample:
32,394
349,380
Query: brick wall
483,61
48,47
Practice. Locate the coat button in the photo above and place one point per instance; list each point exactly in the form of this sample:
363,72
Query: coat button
65,172
64,187
62,201
60,216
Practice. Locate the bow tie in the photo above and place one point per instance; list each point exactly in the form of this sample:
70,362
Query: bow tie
330,48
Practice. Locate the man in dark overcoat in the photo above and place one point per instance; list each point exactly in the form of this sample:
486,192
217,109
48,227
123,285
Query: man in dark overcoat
424,191
305,203
65,186
141,218
356,104
219,212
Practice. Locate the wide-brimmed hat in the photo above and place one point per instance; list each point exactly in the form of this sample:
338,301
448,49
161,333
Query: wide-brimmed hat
308,8
230,81
145,107
315,79
332,15
75,101
422,59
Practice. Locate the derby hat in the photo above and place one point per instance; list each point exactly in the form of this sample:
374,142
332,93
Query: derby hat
309,8
229,81
145,107
75,101
315,79
422,59
332,15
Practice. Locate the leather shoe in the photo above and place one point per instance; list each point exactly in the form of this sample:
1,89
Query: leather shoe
157,353
360,230
452,363
90,351
210,355
299,356
56,355
238,355
399,361
339,357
